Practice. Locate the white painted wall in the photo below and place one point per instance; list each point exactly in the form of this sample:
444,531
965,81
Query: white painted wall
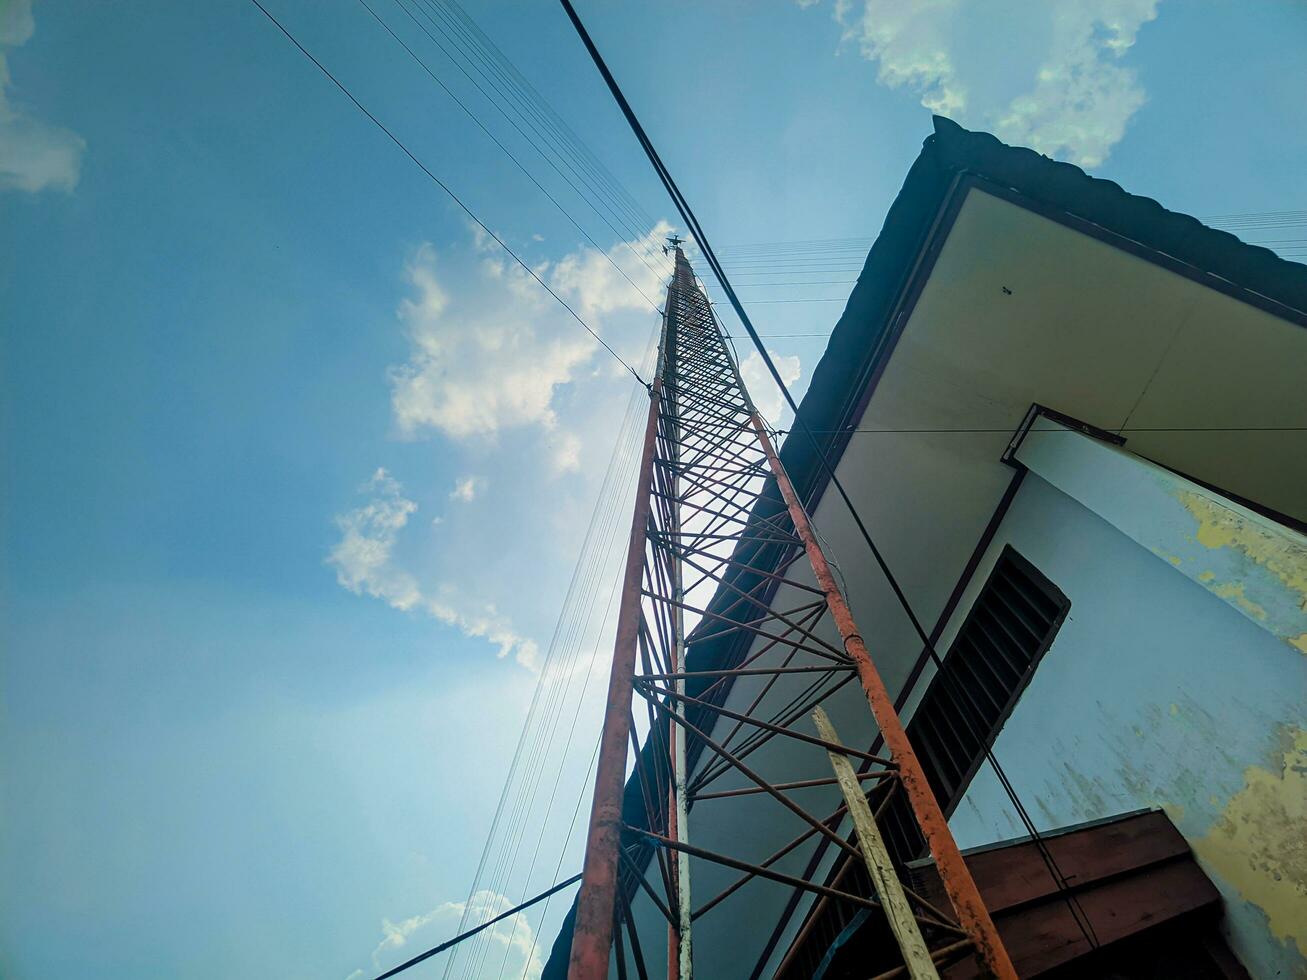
1157,692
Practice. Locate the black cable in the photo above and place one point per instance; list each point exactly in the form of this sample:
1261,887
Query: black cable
493,67
445,187
705,248
472,932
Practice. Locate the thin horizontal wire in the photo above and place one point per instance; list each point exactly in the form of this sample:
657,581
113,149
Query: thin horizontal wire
828,299
771,336
1243,217
860,431
804,282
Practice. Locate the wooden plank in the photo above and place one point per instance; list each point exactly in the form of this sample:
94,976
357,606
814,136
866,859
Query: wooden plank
916,956
1046,935
1016,874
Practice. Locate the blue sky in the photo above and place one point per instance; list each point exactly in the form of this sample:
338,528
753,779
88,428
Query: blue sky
298,464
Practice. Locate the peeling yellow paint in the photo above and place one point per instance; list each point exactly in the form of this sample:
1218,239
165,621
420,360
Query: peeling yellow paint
1207,576
1221,527
1258,847
1175,560
1175,709
1234,591
1299,641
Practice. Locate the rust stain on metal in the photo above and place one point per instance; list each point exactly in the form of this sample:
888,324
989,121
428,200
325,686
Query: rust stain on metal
592,935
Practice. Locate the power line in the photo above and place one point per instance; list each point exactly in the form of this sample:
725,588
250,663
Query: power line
559,671
558,677
495,70
482,62
774,336
445,187
818,299
580,151
507,152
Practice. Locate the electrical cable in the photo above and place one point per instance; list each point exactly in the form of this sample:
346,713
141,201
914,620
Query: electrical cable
576,715
598,551
576,810
508,153
580,153
482,62
446,188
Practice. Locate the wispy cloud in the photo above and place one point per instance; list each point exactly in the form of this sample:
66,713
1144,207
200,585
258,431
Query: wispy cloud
475,372
466,489
767,398
364,556
1074,98
494,356
366,564
518,954
34,155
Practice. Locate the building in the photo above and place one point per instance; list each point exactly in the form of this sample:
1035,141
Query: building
1076,424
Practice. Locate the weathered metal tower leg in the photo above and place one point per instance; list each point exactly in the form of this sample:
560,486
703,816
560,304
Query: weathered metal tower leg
592,936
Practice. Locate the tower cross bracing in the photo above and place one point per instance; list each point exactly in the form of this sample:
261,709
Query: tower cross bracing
718,541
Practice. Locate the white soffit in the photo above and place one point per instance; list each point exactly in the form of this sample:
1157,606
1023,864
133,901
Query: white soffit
1019,309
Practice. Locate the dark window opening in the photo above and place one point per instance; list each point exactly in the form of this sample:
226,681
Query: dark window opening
1010,625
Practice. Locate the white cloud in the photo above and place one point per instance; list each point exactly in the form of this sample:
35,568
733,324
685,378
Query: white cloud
466,489
34,155
592,279
519,394
474,372
363,558
492,359
910,42
483,621
564,451
1083,98
767,398
512,941
365,563
1073,99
